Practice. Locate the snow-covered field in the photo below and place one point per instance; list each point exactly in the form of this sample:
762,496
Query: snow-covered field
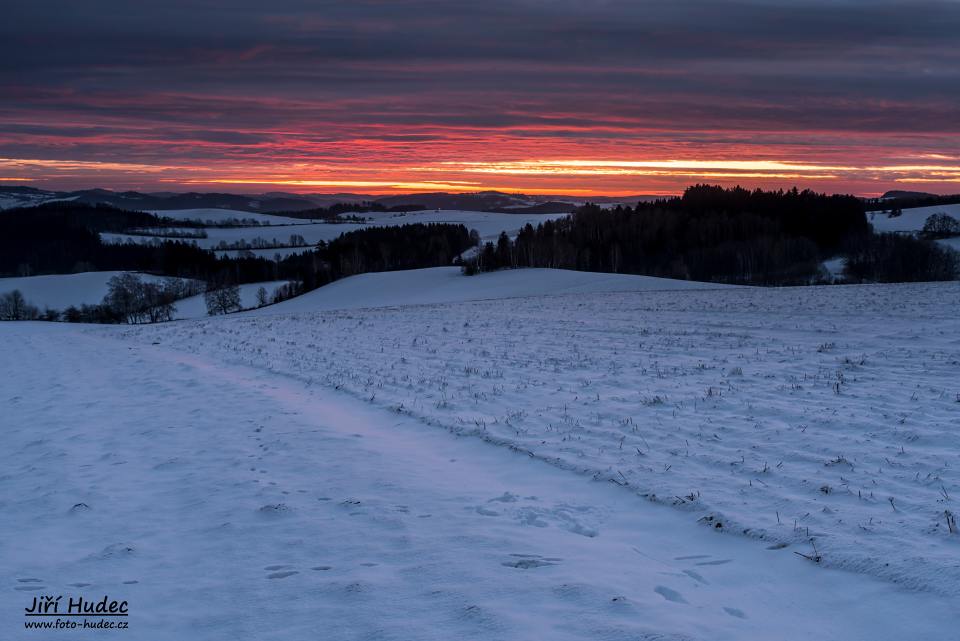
911,220
279,234
216,216
196,306
59,291
814,406
488,225
590,464
448,285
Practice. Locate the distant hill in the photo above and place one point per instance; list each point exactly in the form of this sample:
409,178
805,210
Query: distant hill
907,194
909,200
11,197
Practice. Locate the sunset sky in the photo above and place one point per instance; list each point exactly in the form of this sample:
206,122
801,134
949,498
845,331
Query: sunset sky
574,97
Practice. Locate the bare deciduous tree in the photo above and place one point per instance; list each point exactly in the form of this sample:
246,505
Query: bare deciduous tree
13,306
222,300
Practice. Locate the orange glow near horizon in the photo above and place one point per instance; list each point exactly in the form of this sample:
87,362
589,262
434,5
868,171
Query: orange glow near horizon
566,176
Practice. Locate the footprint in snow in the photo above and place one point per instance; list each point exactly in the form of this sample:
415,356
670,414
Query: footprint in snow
526,564
734,612
529,516
114,550
29,585
282,575
669,595
718,562
696,577
529,561
274,509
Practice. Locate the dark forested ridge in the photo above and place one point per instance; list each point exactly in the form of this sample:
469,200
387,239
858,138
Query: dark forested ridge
714,234
709,233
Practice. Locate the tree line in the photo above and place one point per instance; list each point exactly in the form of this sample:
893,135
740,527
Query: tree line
709,233
723,235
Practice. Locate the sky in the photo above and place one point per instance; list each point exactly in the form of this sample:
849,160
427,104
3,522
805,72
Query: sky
539,96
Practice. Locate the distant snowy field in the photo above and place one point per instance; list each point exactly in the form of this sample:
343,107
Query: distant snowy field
787,414
223,215
488,225
196,306
911,219
312,233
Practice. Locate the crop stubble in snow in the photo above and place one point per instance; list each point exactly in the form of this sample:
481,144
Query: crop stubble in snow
792,414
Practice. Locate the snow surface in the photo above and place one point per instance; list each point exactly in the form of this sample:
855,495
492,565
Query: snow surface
952,243
59,291
488,225
231,502
788,414
312,234
911,220
196,306
206,215
448,284
834,267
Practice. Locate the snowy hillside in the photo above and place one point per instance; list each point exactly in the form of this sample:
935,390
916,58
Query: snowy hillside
59,291
448,285
215,216
302,504
196,306
911,220
488,225
783,414
575,456
312,233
